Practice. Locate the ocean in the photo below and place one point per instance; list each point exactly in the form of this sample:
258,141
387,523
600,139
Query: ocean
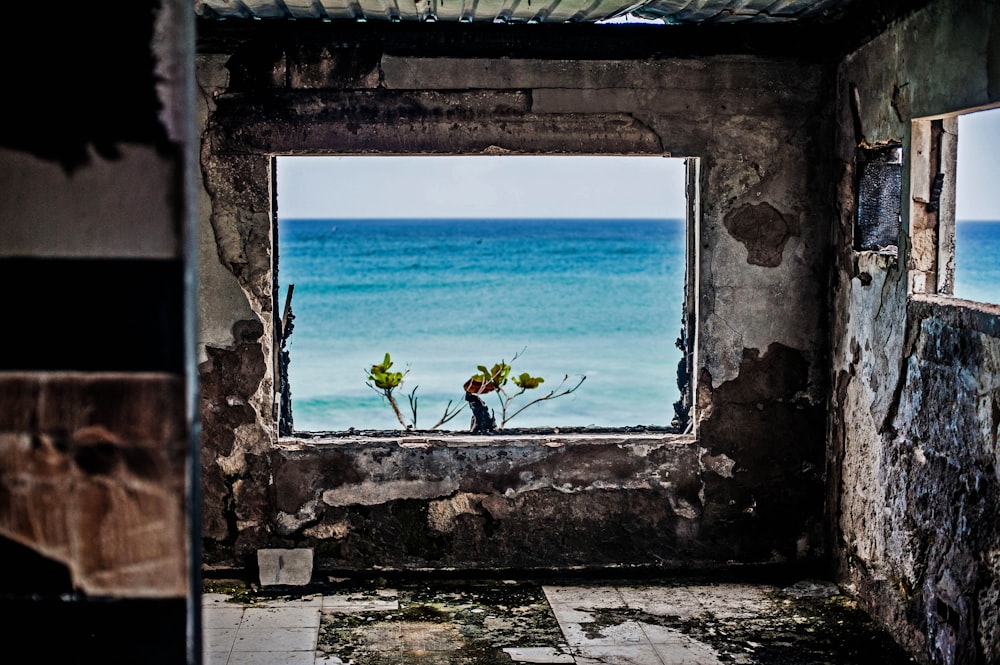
601,299
977,261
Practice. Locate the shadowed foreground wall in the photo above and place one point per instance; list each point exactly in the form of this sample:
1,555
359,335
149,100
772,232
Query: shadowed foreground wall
95,385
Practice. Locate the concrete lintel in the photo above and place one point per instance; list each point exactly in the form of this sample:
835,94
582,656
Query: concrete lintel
737,72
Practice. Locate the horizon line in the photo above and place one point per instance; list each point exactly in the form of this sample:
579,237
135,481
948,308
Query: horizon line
478,218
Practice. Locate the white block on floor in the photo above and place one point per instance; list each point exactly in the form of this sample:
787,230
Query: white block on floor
285,566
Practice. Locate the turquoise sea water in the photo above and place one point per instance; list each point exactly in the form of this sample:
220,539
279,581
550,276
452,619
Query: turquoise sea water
600,298
595,298
977,261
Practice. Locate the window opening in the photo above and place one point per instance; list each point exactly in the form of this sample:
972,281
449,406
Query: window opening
556,265
977,207
879,196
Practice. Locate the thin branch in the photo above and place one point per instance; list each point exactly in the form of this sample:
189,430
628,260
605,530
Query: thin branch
395,409
552,394
447,416
392,402
412,397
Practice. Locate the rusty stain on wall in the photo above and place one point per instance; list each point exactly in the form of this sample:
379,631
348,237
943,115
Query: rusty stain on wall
763,230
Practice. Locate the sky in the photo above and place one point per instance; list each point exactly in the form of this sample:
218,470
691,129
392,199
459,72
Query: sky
605,187
481,186
977,178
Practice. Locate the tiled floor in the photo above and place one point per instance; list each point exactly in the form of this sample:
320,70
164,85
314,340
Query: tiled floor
514,622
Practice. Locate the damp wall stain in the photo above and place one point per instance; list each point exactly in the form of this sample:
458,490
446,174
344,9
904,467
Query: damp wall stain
766,423
763,230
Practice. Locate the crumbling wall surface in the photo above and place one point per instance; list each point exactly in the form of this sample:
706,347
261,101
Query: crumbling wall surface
235,341
914,416
761,127
945,471
530,502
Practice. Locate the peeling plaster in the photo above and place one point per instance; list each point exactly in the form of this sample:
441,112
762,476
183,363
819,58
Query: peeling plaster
441,514
763,230
370,493
288,524
720,464
334,531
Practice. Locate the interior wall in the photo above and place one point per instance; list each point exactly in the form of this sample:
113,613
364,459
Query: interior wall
96,387
914,416
761,127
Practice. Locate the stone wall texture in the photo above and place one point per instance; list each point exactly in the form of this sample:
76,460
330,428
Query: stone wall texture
914,418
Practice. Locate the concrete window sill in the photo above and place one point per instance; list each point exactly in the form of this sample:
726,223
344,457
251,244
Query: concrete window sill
547,437
967,314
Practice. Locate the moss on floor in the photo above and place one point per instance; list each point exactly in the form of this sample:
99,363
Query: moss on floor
456,623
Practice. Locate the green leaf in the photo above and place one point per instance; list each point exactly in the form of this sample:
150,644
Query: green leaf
527,382
499,374
382,377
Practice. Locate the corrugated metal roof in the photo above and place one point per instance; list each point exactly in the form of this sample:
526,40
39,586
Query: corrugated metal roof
526,11
732,11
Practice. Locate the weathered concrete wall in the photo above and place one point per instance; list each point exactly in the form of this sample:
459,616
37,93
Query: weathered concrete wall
915,415
531,502
761,128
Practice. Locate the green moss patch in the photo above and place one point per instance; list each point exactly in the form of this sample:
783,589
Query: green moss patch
453,623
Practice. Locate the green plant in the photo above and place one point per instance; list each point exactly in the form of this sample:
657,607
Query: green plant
384,382
381,380
495,380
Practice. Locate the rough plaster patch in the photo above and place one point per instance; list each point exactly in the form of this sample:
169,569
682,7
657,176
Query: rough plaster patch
763,230
336,530
685,509
416,445
228,242
371,493
720,464
441,514
499,508
234,464
251,440
248,440
288,523
723,360
638,450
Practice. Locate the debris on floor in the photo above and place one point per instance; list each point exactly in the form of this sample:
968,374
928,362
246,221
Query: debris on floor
489,622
